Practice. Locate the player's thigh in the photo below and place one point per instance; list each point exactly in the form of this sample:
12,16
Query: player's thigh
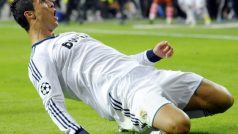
171,119
210,96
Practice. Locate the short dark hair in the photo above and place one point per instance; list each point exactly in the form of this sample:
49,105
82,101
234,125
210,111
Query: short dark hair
18,7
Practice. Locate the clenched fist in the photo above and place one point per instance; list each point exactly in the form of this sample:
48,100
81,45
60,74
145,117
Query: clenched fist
163,50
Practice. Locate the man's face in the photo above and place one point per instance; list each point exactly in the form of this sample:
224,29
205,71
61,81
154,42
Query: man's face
45,13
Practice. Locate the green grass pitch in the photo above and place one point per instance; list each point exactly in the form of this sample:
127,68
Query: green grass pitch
213,53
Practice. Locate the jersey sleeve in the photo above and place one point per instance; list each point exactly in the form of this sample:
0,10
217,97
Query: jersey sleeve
45,79
147,58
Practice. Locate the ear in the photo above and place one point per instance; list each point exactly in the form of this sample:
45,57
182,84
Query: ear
29,15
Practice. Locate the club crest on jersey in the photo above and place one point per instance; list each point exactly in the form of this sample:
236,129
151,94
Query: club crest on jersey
45,88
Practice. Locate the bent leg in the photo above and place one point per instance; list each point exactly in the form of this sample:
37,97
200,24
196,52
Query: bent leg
211,97
171,119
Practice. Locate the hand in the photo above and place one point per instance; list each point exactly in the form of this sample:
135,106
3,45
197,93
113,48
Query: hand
81,131
163,50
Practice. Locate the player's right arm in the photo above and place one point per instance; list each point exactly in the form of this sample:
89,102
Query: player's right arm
45,79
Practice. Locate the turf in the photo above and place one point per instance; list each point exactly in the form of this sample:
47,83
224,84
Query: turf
22,112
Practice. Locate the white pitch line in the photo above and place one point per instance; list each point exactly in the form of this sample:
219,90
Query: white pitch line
166,26
177,35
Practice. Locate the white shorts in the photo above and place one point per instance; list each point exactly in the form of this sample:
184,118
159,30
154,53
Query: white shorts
143,91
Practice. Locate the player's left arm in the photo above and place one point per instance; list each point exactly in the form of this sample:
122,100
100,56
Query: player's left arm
160,51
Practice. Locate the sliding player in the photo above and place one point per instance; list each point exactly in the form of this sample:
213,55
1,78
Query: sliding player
123,88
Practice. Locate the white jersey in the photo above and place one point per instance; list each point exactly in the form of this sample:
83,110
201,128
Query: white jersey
76,66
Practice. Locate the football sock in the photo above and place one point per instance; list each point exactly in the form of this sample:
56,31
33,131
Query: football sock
198,113
153,11
169,14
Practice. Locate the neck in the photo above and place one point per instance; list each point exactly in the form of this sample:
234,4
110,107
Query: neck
38,34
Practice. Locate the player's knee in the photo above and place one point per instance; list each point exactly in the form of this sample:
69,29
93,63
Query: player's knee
180,125
171,119
226,101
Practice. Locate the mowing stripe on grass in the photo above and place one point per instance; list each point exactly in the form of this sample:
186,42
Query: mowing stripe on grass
177,35
142,33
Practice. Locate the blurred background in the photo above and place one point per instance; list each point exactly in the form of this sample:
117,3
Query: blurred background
190,12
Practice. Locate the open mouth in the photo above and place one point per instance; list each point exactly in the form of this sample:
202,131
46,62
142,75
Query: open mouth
55,15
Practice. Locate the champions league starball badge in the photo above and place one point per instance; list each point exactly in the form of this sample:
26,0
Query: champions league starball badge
45,88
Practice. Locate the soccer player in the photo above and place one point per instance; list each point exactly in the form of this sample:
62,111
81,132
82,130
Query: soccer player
123,88
169,10
192,8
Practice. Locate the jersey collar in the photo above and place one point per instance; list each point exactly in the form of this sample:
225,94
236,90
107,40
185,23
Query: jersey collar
47,38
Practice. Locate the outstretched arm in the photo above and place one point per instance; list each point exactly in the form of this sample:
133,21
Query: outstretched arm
160,51
58,113
45,79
